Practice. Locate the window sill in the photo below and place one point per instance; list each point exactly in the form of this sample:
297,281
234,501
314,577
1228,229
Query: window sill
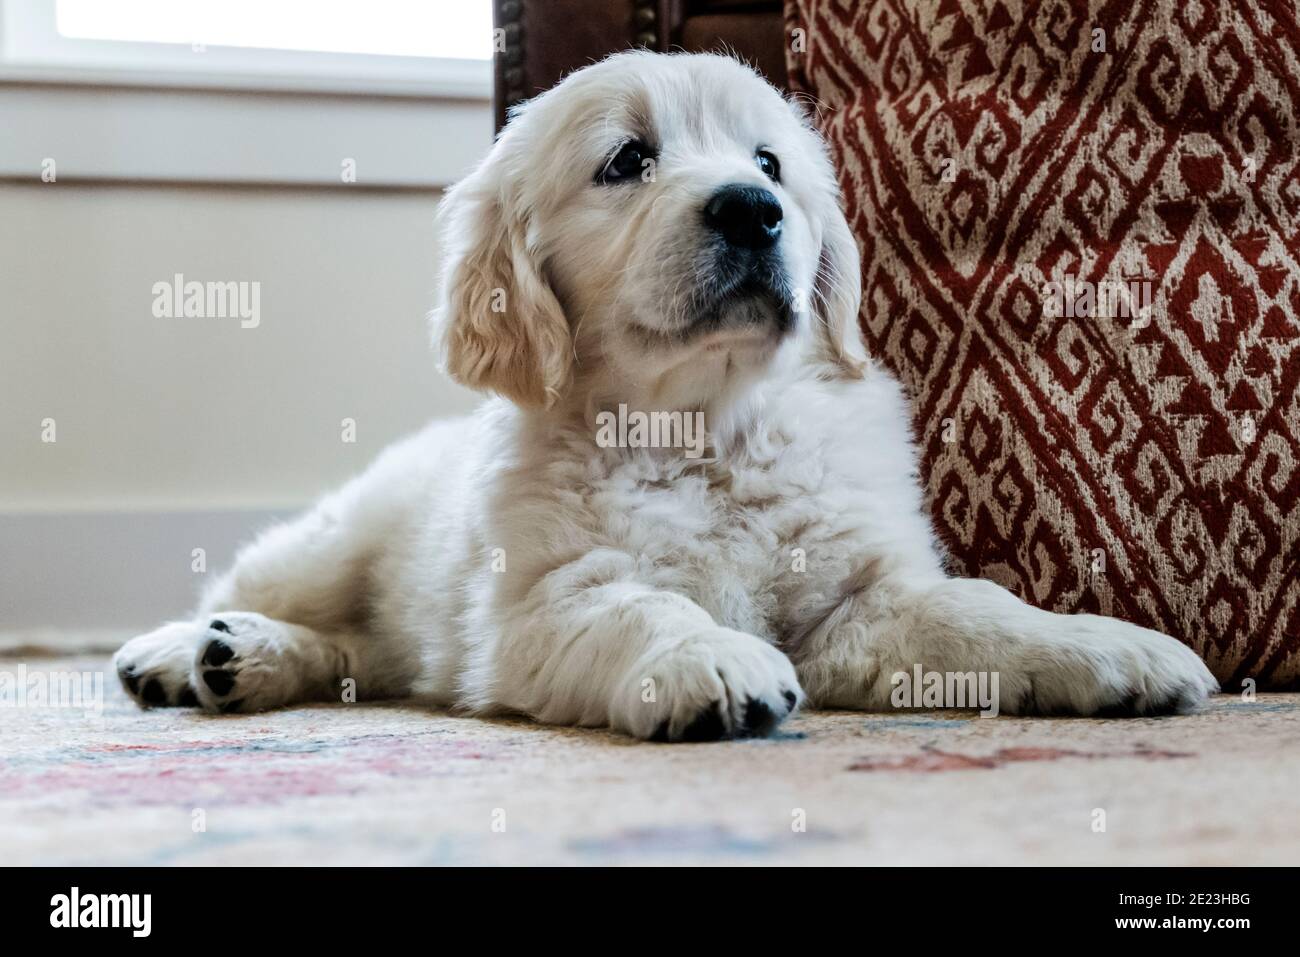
96,125
400,76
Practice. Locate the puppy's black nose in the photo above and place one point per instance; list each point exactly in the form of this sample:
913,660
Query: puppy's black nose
746,216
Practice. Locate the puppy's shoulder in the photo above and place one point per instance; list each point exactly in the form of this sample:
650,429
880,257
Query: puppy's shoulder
839,407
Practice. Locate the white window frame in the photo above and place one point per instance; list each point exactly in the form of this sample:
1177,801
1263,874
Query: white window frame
31,48
111,110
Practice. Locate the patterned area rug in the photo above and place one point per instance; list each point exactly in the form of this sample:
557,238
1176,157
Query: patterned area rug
401,784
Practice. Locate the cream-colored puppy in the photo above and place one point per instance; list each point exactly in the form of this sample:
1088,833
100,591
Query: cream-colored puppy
694,502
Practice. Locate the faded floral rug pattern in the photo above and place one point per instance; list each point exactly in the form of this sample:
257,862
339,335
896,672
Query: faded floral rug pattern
401,784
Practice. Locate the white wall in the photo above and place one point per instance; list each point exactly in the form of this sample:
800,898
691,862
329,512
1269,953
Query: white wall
159,414
177,434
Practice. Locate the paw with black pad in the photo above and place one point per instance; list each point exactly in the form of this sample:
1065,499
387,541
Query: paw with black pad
722,685
245,662
154,669
218,666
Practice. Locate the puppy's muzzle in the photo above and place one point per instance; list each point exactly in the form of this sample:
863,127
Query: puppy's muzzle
743,280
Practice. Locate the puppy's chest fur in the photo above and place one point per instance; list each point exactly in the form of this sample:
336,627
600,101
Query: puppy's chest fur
816,501
759,536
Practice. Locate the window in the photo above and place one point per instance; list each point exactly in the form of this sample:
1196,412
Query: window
370,94
411,47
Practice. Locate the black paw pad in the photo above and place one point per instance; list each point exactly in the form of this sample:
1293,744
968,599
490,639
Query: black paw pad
219,681
217,653
759,719
187,699
1127,707
791,699
153,692
130,679
216,624
707,726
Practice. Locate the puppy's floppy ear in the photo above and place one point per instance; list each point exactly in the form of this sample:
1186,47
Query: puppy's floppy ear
838,293
499,324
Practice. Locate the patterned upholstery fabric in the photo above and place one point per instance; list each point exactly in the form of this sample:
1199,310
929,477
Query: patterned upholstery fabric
1080,226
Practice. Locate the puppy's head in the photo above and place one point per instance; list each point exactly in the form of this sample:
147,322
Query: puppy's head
657,225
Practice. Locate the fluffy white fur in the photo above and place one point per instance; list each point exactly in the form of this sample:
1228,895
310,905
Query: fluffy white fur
507,563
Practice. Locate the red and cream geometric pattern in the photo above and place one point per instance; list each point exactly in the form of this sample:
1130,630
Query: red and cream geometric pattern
1145,466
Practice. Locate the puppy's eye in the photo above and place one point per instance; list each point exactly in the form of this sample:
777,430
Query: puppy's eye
769,164
628,163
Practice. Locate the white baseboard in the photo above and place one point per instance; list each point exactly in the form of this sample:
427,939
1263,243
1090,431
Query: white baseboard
104,574
33,643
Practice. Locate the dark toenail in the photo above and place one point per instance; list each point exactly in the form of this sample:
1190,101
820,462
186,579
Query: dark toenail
759,719
790,699
1127,707
217,653
153,692
219,681
231,706
130,679
661,733
188,698
707,726
218,625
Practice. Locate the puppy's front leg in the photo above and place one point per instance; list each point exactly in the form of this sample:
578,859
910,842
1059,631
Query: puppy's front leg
645,661
238,661
1046,663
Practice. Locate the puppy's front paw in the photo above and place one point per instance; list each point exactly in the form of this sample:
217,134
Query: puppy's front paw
155,668
240,663
721,684
1109,668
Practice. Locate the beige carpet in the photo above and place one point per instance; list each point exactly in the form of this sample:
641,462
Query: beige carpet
399,784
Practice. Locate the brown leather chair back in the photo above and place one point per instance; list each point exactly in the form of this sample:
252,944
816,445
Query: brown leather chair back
545,39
